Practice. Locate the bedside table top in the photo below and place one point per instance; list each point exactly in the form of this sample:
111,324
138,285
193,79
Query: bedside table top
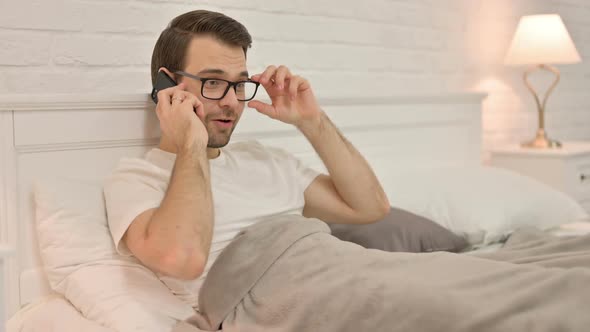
568,149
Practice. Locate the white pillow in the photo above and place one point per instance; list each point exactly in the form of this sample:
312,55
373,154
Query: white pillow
82,264
484,204
41,315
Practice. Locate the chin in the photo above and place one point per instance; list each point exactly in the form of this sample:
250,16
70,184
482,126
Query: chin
218,143
215,145
219,140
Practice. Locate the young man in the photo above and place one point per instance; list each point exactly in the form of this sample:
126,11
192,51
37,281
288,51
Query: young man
178,207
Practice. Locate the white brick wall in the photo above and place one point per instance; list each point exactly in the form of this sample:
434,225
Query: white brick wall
370,47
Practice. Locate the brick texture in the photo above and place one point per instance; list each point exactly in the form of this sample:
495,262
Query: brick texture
352,48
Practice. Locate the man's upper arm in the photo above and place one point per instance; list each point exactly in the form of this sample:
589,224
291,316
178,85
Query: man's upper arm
130,193
322,201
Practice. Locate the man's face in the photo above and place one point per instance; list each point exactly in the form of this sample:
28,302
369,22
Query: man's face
209,58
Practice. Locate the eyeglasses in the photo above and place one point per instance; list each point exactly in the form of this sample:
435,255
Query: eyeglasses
217,88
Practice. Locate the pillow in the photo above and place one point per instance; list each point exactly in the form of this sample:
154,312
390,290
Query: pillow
483,204
82,264
71,227
41,315
401,231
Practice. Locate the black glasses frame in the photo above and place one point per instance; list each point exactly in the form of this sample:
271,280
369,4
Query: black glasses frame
230,84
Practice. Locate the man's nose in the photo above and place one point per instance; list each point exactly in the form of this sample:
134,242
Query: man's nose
230,98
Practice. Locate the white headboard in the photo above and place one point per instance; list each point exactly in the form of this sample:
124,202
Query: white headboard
84,137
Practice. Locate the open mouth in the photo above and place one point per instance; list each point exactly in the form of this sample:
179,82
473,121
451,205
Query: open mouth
224,123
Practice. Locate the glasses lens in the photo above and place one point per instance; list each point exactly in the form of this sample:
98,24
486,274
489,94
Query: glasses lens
245,90
214,89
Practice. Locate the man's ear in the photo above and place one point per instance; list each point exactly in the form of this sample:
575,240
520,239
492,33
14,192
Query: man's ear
172,75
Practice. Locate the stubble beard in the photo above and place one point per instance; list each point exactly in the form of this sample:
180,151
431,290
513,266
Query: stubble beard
220,138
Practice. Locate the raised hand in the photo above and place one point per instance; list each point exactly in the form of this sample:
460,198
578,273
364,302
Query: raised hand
292,99
176,111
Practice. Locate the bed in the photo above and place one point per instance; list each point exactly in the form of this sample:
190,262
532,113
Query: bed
83,137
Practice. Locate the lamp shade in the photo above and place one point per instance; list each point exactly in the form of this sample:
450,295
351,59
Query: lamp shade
541,39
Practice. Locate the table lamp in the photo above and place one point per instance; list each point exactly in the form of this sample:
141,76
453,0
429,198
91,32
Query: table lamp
541,40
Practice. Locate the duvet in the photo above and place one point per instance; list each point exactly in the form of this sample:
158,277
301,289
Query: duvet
289,274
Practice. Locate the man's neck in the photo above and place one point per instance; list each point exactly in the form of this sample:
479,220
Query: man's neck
212,153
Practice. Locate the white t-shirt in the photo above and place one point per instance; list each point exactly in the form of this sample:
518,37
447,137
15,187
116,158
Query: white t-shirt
249,182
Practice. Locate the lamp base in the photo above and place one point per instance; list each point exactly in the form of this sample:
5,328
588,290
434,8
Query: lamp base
542,142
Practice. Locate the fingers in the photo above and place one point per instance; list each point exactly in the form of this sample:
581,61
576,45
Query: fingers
165,96
294,85
281,78
267,75
185,98
196,103
273,77
263,108
281,74
178,97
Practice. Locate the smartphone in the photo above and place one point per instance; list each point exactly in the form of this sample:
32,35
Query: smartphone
163,81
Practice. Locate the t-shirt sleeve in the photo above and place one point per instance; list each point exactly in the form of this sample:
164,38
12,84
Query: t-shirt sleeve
134,187
303,174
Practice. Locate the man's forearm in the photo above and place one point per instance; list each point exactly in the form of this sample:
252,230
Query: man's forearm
352,176
185,217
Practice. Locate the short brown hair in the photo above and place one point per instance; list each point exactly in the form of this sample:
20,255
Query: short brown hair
170,49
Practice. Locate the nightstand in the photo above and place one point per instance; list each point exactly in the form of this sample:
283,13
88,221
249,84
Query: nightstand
566,169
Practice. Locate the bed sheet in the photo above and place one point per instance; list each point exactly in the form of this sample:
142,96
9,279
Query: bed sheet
569,229
52,313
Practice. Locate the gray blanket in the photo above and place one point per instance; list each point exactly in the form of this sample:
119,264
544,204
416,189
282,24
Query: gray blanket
290,274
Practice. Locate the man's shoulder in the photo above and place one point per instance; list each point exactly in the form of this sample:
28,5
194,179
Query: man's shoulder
134,166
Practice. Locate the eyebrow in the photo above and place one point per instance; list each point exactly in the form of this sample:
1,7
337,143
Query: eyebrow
220,72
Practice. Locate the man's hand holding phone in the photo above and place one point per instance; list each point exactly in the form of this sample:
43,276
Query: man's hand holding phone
176,110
